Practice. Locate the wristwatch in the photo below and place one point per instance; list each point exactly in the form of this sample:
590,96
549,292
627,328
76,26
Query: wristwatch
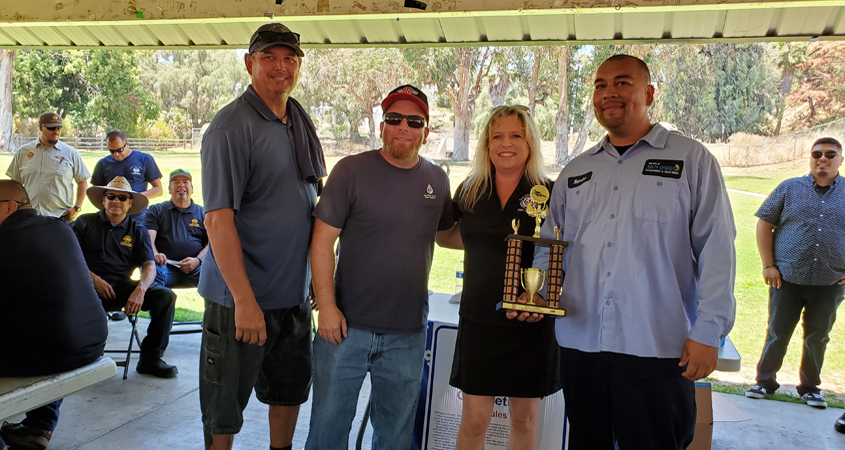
76,208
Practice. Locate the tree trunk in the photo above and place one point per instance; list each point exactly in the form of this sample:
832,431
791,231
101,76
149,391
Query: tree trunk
584,133
7,64
562,116
373,138
535,76
498,88
786,79
463,108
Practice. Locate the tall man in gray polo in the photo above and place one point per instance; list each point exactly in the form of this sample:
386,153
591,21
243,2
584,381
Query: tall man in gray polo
801,239
262,163
48,168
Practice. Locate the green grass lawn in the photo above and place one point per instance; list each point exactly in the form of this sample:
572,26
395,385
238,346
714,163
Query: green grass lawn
748,332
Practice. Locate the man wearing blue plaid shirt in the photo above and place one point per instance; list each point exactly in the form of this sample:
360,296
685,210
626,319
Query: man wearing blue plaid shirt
801,239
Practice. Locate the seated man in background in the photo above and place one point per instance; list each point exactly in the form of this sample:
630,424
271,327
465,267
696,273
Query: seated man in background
114,245
178,234
50,320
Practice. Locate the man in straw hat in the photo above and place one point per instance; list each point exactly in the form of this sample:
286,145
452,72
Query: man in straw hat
114,245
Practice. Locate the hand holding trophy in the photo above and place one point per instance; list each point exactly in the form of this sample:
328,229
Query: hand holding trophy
532,280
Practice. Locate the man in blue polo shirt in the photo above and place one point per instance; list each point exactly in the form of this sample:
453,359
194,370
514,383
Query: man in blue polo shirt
801,239
177,232
138,168
49,324
114,245
650,272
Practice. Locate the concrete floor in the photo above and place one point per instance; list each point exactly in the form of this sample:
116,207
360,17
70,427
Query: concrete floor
144,412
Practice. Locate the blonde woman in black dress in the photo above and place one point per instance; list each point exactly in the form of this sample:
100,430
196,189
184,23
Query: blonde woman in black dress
496,355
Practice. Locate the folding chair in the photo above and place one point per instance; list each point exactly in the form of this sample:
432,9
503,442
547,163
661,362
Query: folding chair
133,319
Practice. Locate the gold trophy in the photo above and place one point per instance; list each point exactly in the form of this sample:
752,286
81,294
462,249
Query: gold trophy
532,280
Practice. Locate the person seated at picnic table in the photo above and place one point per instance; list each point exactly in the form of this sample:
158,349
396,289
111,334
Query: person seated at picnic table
51,320
114,245
177,232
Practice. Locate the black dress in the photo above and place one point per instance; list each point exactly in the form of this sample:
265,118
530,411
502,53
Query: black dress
495,356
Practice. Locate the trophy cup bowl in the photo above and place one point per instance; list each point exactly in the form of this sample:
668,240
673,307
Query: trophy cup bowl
532,281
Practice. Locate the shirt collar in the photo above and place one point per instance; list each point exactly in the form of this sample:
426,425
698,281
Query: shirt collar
812,181
20,214
104,218
171,205
656,138
253,99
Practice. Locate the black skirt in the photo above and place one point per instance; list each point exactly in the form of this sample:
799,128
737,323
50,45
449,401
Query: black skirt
491,360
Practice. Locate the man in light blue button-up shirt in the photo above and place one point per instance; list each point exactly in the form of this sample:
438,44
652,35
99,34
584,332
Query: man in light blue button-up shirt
650,272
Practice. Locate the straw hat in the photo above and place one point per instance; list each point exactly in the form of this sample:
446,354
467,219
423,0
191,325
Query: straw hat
96,194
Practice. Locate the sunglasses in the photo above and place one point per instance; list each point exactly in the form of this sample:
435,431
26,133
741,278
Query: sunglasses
393,118
118,150
288,37
830,154
122,198
53,128
10,200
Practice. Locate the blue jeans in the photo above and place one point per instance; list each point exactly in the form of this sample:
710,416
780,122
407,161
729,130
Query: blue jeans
173,277
395,364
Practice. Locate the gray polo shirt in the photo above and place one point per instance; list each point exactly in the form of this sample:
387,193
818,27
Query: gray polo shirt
48,174
248,165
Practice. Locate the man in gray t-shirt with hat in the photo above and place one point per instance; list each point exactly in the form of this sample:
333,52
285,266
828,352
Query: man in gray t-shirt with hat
262,165
386,206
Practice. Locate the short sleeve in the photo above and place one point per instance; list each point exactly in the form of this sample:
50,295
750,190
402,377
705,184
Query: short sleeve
447,220
225,170
456,203
14,170
152,172
772,207
80,172
336,201
152,217
97,176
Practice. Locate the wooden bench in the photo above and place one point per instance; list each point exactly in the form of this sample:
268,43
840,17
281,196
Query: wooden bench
19,395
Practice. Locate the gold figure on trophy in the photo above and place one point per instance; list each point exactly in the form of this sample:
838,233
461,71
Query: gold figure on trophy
537,208
532,281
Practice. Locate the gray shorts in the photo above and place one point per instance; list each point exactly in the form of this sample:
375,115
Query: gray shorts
279,371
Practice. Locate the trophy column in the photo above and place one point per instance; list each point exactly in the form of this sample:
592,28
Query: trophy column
555,276
512,266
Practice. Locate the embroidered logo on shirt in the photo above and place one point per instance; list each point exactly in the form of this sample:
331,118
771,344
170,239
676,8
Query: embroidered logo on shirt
194,223
574,182
524,202
127,241
667,168
135,170
429,193
30,155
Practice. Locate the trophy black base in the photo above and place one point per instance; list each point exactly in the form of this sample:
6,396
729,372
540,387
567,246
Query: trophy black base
560,312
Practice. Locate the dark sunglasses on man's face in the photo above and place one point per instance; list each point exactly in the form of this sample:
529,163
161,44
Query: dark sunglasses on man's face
393,118
117,150
830,154
53,128
288,37
122,198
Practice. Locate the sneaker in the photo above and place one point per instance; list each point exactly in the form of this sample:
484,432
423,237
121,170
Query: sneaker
839,425
758,391
22,437
118,316
156,367
814,399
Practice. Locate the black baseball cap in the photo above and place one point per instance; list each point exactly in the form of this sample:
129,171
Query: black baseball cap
406,92
271,35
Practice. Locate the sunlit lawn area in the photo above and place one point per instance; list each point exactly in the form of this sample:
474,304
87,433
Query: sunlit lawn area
748,333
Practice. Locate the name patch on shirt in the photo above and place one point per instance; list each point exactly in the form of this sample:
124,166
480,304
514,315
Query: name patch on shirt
667,168
576,181
126,242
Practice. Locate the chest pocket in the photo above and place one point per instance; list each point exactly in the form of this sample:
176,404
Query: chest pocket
426,217
580,203
656,199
